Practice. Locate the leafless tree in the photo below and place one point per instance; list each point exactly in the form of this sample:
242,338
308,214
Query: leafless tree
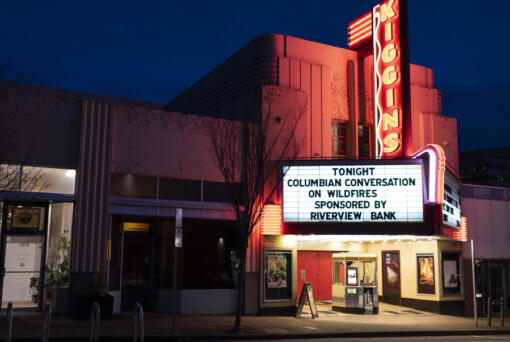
248,155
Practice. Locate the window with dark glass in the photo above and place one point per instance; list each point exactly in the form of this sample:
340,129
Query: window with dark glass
339,140
364,141
179,189
217,192
133,186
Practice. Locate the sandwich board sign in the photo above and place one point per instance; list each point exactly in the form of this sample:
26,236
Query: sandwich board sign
307,293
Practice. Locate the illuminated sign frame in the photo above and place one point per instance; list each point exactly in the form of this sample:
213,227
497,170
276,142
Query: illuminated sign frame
335,192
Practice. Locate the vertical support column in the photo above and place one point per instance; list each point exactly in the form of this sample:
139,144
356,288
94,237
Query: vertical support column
91,224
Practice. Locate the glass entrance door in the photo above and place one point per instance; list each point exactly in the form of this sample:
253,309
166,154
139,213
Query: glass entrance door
22,270
23,246
137,265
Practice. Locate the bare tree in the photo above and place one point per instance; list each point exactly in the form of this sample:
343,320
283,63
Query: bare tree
248,155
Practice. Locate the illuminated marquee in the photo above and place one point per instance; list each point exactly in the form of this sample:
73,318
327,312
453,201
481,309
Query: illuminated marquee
353,193
388,79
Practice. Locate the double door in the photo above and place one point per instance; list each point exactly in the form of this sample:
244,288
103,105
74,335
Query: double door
23,241
316,267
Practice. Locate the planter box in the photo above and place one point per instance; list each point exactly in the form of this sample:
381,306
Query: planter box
84,306
59,297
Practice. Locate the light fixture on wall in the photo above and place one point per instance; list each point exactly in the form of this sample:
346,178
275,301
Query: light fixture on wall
71,173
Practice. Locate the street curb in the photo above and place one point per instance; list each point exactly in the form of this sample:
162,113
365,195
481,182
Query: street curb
184,338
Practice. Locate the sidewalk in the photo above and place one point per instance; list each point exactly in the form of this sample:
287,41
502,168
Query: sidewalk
391,321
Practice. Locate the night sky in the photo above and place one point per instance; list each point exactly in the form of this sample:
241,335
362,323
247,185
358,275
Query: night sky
152,50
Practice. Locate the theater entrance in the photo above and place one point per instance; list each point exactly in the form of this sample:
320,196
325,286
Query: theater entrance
315,267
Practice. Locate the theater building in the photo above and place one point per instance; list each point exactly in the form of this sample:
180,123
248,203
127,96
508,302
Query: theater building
376,172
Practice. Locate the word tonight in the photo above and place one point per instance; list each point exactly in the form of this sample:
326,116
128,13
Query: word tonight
353,171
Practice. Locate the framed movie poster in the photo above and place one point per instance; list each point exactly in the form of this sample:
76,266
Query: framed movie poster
426,281
278,275
451,273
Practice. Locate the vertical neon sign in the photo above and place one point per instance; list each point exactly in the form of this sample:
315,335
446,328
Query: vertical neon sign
387,79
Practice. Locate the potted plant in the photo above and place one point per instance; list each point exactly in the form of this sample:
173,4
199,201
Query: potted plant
56,284
34,289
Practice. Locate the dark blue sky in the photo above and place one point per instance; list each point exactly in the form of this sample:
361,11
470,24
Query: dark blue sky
152,50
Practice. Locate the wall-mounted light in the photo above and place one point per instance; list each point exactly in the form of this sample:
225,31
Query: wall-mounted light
71,173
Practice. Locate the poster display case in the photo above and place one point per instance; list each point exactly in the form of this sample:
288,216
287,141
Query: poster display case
426,281
355,283
451,273
278,275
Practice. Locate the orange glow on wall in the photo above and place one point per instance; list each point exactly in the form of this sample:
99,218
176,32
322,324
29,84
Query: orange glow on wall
459,234
271,219
388,79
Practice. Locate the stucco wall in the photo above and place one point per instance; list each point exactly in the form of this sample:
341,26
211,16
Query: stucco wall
489,226
158,143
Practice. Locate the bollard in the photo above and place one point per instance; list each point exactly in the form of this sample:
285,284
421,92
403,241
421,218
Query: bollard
46,323
501,312
8,328
138,323
95,317
489,311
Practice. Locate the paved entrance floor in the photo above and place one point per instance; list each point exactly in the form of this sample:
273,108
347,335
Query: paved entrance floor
391,321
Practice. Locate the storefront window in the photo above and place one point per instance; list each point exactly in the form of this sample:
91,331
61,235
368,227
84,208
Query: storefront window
451,273
278,275
426,281
37,179
58,244
9,177
339,274
44,179
364,141
339,139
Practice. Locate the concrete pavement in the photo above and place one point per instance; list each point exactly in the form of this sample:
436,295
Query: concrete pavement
391,321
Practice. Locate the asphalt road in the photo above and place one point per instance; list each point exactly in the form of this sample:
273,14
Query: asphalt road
467,338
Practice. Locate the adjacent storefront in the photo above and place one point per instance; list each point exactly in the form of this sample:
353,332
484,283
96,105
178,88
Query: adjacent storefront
37,219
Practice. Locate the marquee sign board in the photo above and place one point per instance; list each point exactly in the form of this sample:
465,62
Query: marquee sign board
451,201
373,192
